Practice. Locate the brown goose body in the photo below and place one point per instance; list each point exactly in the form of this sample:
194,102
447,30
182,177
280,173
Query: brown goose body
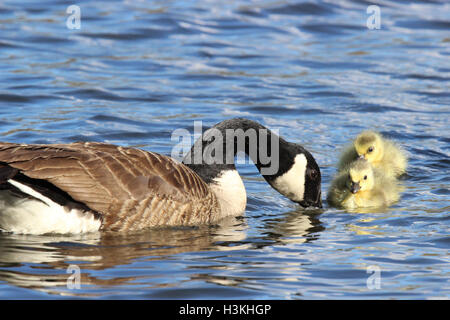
89,186
126,188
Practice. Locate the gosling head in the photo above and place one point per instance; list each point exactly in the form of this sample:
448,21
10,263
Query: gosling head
369,146
360,176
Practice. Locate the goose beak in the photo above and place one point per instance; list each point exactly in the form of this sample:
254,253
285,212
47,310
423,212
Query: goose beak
319,204
308,204
319,200
355,187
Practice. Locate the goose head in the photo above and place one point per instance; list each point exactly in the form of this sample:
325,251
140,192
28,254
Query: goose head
299,177
290,169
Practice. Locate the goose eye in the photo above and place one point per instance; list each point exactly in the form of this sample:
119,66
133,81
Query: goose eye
313,174
370,149
365,177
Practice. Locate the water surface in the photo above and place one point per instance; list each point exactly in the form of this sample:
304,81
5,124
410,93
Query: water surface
137,70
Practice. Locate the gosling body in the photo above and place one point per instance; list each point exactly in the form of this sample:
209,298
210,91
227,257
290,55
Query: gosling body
362,186
383,154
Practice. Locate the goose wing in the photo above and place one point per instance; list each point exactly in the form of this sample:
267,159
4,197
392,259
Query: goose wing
130,188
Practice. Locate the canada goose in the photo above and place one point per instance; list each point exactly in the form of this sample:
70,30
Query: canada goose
382,153
362,186
89,186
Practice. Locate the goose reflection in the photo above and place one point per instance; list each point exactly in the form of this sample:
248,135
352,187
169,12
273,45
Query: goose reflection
292,227
52,255
41,262
297,226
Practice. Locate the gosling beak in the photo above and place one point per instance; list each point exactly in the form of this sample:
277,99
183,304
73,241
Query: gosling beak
361,156
355,187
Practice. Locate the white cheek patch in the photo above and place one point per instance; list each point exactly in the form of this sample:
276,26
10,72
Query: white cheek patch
292,183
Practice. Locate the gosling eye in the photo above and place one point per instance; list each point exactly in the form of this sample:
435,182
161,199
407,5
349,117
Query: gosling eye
365,177
370,149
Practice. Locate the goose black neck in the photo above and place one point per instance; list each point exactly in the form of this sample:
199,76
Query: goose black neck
214,152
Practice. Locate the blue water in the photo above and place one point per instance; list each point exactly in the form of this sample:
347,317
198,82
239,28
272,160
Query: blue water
135,71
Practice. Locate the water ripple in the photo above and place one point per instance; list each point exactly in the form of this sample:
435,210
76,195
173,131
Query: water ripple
135,72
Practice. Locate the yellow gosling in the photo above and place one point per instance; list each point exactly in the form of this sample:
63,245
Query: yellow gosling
362,186
383,154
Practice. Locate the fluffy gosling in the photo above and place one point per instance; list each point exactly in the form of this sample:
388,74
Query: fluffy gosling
362,186
383,154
